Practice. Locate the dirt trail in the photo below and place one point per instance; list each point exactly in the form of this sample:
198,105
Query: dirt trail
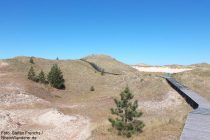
44,122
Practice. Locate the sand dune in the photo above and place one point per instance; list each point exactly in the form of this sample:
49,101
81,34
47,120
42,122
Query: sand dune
161,69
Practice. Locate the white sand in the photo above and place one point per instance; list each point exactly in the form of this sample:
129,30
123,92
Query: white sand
12,94
171,99
3,64
54,117
54,124
161,69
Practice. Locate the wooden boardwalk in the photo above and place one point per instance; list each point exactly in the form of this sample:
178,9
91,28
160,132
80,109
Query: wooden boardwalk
197,126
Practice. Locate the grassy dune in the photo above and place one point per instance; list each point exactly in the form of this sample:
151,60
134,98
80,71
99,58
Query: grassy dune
161,123
198,79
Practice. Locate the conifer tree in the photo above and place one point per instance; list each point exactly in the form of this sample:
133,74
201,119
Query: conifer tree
31,60
92,88
31,74
42,78
102,72
55,77
127,121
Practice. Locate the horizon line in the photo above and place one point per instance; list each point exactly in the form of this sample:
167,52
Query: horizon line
64,59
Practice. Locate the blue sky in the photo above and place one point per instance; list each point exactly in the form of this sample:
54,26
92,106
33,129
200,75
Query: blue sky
133,31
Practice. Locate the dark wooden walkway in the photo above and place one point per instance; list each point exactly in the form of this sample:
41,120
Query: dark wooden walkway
197,126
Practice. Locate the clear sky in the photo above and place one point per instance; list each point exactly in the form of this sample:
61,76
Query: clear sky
133,31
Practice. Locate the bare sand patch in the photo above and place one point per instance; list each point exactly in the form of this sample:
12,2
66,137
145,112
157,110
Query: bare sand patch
71,106
170,99
161,69
54,124
17,98
3,64
2,74
12,95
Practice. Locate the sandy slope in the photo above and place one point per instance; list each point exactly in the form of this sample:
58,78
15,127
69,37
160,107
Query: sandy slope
170,99
48,121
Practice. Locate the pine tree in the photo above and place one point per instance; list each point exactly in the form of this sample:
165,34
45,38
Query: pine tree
127,122
92,88
102,72
31,60
42,78
55,77
31,74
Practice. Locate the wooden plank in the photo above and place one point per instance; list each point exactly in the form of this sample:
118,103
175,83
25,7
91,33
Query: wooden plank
197,126
189,94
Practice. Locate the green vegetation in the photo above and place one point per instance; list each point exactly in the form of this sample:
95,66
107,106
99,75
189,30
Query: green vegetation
42,78
32,75
92,88
168,74
127,122
31,60
102,72
55,77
